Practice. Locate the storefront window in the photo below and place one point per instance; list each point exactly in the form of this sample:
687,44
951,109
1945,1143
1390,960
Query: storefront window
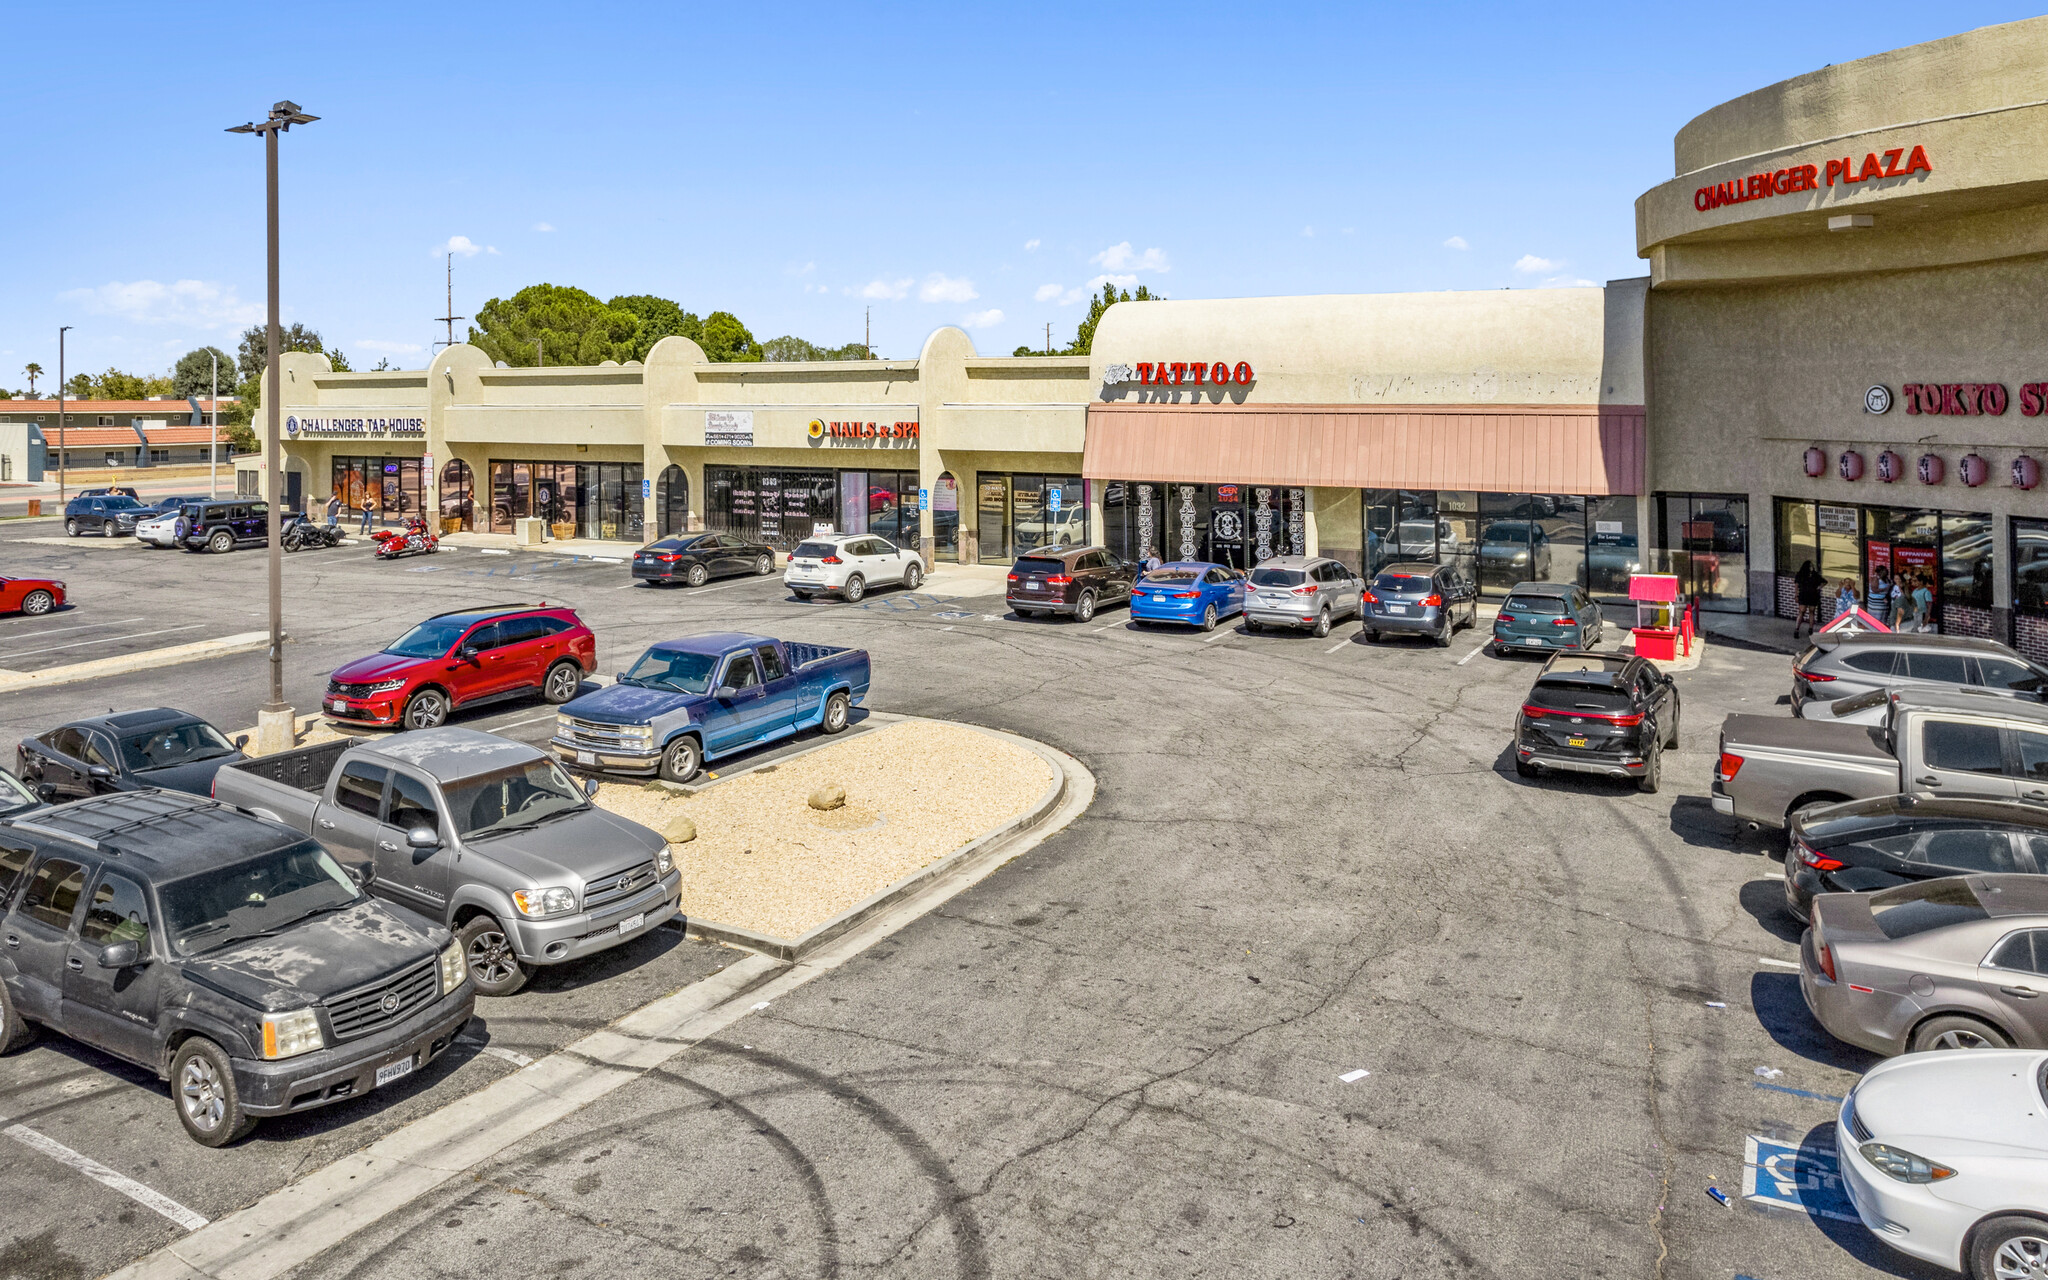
776,506
1706,538
1613,545
392,486
992,519
880,502
672,501
946,516
2030,587
1965,573
458,498
1949,552
1402,524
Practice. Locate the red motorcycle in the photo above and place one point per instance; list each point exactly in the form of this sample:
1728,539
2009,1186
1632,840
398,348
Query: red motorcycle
415,540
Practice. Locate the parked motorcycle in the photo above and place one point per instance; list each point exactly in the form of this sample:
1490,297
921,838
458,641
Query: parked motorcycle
416,540
302,533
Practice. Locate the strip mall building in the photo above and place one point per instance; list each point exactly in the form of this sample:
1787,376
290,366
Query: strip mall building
1823,364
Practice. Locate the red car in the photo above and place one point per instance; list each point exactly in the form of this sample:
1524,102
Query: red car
463,659
32,596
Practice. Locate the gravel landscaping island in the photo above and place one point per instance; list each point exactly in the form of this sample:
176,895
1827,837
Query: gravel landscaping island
764,859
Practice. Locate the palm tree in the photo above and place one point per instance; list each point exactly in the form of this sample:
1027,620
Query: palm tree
33,371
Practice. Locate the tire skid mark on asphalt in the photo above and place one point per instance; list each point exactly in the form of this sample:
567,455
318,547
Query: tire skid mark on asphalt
127,1186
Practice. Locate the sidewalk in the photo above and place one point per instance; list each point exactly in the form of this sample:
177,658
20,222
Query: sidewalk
1752,631
607,550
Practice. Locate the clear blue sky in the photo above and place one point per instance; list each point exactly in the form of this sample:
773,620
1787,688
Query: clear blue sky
793,164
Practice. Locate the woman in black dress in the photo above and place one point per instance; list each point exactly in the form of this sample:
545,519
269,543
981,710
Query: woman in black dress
1806,584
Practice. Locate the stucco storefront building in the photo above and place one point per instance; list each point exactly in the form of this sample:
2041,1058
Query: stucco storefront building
1843,346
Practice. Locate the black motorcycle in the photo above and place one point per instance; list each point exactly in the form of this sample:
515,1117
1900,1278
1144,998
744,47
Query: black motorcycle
302,534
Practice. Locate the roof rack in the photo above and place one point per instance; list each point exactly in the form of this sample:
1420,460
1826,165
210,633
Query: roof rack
487,608
119,814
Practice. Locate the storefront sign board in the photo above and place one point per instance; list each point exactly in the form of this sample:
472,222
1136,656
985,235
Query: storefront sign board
1217,373
355,424
730,428
1806,177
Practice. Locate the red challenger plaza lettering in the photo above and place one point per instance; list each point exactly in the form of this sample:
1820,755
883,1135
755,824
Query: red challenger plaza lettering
1759,186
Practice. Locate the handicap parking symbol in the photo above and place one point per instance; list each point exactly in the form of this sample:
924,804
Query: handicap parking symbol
1785,1175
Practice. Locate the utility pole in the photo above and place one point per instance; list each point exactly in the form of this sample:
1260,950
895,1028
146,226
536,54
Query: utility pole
60,413
540,353
867,336
451,317
1048,337
213,435
274,720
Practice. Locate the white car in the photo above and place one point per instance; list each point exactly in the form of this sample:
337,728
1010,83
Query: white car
1067,527
159,531
847,564
1945,1156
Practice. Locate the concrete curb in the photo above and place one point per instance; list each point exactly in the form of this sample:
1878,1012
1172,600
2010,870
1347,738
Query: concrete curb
198,650
987,845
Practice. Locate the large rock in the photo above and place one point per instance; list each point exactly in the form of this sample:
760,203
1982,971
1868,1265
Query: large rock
830,796
680,830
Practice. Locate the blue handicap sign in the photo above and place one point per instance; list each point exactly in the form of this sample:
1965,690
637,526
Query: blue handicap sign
646,489
1785,1175
924,499
1055,496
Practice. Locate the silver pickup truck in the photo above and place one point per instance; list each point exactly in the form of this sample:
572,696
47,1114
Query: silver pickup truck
482,833
1930,743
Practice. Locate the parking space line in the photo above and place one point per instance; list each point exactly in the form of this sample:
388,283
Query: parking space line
52,648
1339,645
1220,635
83,626
98,1172
1783,964
1475,653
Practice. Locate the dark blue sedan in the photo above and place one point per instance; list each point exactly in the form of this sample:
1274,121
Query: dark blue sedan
1193,593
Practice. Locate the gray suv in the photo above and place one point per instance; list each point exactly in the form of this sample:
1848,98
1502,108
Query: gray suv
1843,666
1420,599
1302,591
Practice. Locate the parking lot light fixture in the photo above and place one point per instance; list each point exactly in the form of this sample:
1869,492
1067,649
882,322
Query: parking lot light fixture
275,720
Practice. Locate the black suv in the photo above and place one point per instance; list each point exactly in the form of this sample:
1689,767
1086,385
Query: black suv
126,751
111,514
223,526
1867,845
1598,713
1069,580
230,955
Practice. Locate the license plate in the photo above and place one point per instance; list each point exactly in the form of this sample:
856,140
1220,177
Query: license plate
337,705
1575,742
632,922
1158,599
393,1071
1397,608
1033,583
586,757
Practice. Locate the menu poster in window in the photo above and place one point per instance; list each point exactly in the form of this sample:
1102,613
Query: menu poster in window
947,496
1838,519
1919,559
771,507
1880,554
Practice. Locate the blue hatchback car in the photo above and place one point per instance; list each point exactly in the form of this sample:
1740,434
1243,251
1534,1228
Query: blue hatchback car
1193,593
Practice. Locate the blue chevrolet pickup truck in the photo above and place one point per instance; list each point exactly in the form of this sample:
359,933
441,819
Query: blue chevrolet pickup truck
696,699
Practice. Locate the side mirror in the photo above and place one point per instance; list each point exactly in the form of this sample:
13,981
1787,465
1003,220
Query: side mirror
46,792
361,872
125,954
590,787
620,678
98,772
241,740
726,691
469,652
423,838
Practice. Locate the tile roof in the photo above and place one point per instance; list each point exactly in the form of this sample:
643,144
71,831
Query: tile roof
132,408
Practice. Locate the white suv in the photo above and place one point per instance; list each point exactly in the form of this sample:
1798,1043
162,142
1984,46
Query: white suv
849,563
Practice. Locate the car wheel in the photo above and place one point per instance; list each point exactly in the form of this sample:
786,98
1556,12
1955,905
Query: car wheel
14,1032
1653,773
854,589
696,575
2009,1246
493,966
71,528
681,759
801,595
426,709
1209,618
1322,627
36,603
203,1088
1442,636
838,709
765,565
108,529
1084,608
222,541
913,577
1954,1031
1525,769
564,679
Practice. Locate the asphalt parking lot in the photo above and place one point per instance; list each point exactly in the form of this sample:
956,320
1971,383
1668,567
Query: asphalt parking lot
1123,1053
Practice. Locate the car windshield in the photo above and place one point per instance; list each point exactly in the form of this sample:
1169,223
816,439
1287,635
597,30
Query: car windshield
813,551
1039,566
174,744
1506,531
1171,575
431,639
676,672
223,905
1571,698
13,795
1278,577
511,798
1931,904
1534,604
1401,584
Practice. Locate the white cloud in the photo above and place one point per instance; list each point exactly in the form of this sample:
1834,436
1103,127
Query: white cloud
1120,257
1046,293
940,287
1308,233
198,303
1031,244
886,289
1456,242
543,226
1569,282
461,245
1530,264
983,319
389,348
804,270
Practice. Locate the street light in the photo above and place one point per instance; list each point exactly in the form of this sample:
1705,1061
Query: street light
274,720
60,414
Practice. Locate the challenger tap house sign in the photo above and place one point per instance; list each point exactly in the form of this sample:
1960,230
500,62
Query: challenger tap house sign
1808,177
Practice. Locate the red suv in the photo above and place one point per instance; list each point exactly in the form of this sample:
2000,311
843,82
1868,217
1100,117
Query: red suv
462,659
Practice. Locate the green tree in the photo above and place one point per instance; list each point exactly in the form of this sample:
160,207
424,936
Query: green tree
33,371
254,352
658,318
726,339
339,361
193,374
558,324
789,347
1084,336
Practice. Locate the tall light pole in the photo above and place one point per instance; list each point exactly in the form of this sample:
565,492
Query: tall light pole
274,719
60,415
213,433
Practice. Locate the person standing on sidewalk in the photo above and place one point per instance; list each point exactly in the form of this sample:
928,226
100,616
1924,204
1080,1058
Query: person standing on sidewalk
1806,586
1883,594
1845,598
